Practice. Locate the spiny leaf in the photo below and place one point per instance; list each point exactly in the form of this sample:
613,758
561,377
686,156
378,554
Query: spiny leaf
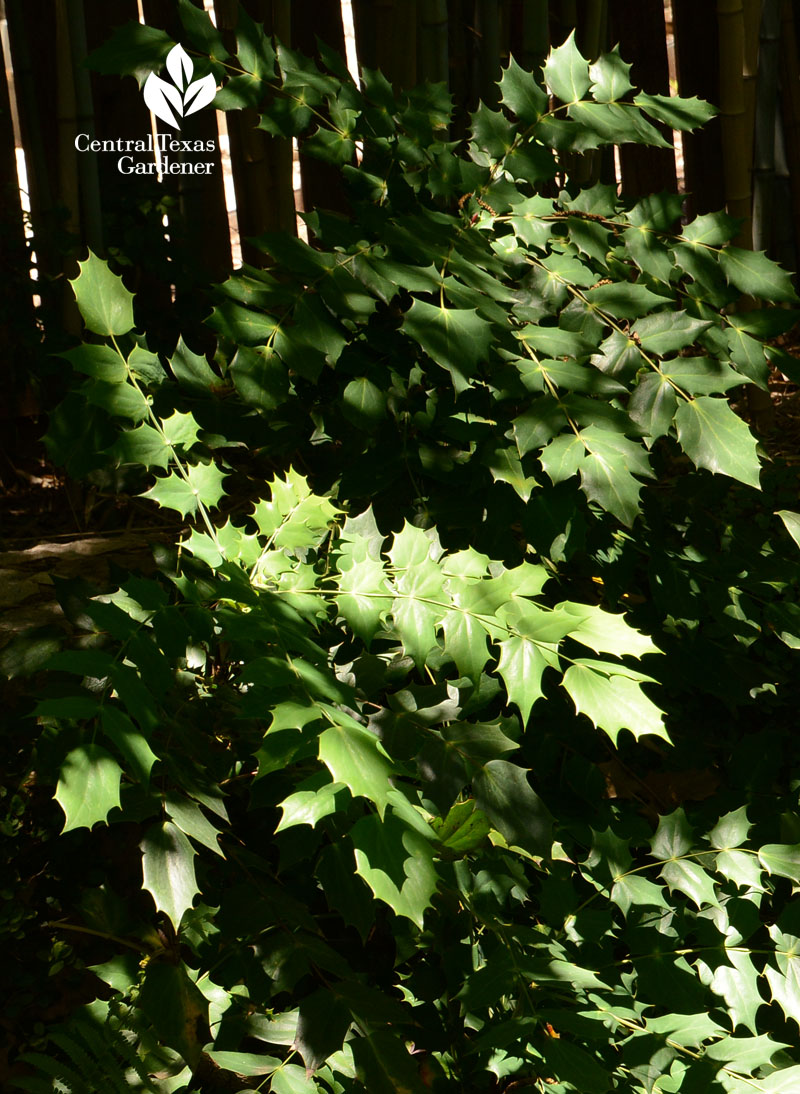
613,702
354,757
755,274
567,72
712,436
503,793
791,522
397,864
168,869
521,665
505,466
520,93
458,339
88,786
104,302
609,76
675,111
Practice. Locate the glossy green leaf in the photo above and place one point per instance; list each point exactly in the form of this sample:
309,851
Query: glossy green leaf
168,870
521,665
354,756
397,864
458,339
791,522
781,859
609,76
384,1065
505,466
677,113
521,93
322,1023
503,793
613,702
88,786
191,820
129,739
668,331
755,274
567,72
104,302
291,1079
712,436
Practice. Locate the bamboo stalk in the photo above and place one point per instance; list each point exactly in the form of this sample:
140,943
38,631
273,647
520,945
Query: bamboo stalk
592,30
41,195
67,122
752,20
487,25
88,176
736,169
535,35
790,107
68,185
765,111
433,58
262,165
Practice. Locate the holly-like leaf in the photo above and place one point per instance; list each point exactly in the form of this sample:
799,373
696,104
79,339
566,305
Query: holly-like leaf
101,362
731,830
521,665
143,445
503,793
133,49
505,466
781,859
737,983
567,72
791,522
562,457
689,877
355,757
363,403
609,76
784,981
712,436
676,112
180,429
384,1065
168,870
322,1022
396,862
191,820
104,302
88,786
613,702
606,472
755,274
712,229
309,806
130,741
521,94
624,300
458,339
605,632
668,331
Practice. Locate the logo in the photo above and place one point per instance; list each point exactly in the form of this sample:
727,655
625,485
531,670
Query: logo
171,102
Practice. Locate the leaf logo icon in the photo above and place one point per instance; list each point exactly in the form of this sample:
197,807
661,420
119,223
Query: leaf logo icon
171,102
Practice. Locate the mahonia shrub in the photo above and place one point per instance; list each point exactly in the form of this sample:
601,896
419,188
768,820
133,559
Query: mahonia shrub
353,730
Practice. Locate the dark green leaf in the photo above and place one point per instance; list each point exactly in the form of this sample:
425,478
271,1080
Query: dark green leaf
168,869
567,72
503,793
104,302
714,437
